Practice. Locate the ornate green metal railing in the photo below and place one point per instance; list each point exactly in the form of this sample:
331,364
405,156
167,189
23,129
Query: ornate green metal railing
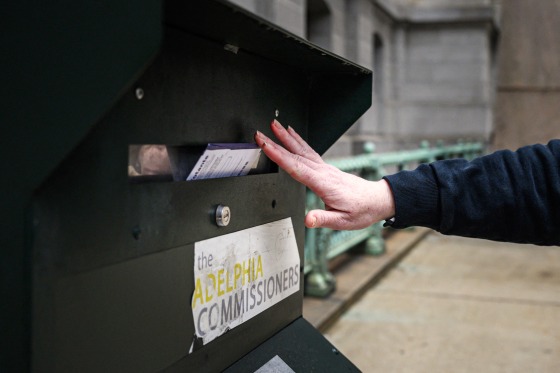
324,244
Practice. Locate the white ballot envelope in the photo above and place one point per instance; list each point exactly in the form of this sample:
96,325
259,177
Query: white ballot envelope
225,160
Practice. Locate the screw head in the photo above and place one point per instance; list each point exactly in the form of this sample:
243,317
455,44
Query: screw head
139,93
223,216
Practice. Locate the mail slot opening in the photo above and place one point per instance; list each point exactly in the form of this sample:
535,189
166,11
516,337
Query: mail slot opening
158,162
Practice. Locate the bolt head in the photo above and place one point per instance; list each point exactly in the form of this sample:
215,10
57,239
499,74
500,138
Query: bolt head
139,93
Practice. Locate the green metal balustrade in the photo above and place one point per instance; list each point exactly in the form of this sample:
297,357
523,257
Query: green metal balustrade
322,244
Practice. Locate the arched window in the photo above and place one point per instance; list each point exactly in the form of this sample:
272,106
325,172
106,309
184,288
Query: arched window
319,23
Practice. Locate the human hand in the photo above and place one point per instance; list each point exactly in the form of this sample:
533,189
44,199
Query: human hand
350,201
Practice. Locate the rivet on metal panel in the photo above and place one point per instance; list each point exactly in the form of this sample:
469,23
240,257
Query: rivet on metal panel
139,93
223,215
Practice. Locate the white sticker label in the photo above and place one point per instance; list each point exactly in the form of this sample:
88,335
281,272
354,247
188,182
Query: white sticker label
241,274
275,365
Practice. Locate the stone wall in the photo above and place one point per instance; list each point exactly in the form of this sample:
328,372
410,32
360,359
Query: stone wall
432,62
445,86
528,98
288,14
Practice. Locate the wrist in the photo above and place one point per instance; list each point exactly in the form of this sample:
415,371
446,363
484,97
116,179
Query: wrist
386,200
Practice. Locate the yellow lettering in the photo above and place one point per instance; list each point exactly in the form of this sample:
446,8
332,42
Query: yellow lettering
259,268
229,289
246,272
236,274
197,293
210,296
220,282
225,281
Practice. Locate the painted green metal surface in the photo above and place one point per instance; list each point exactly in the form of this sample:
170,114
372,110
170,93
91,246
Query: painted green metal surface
63,64
69,215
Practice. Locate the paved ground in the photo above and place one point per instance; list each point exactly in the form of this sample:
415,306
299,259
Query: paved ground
459,305
355,273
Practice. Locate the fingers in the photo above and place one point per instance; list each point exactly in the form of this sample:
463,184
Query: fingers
323,219
336,220
309,150
278,154
295,165
293,142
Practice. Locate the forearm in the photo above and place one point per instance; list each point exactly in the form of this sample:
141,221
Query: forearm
506,196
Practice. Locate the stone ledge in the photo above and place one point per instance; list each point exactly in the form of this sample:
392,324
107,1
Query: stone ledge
356,274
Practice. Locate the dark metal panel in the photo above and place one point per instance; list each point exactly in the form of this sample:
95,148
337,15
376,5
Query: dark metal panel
301,347
88,220
336,102
67,64
340,91
92,223
223,22
89,194
63,64
130,316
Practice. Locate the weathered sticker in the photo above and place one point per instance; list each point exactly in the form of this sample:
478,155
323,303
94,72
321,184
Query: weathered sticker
241,274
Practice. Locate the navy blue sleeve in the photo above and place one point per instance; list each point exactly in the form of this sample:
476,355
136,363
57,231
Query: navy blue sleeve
504,196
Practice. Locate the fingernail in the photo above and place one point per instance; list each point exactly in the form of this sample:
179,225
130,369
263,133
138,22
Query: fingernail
276,124
314,222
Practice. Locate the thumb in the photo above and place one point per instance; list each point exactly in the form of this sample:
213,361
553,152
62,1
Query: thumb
325,219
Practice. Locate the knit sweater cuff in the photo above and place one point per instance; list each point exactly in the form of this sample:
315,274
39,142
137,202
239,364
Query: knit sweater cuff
416,198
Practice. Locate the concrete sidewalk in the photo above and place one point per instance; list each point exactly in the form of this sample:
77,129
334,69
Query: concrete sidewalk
458,305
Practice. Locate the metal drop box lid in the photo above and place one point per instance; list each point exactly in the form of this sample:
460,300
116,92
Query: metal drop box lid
339,90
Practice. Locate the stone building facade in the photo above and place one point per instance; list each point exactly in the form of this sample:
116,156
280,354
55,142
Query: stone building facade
433,63
527,106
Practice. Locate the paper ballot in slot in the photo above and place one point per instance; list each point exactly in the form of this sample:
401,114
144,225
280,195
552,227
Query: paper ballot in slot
225,160
159,162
